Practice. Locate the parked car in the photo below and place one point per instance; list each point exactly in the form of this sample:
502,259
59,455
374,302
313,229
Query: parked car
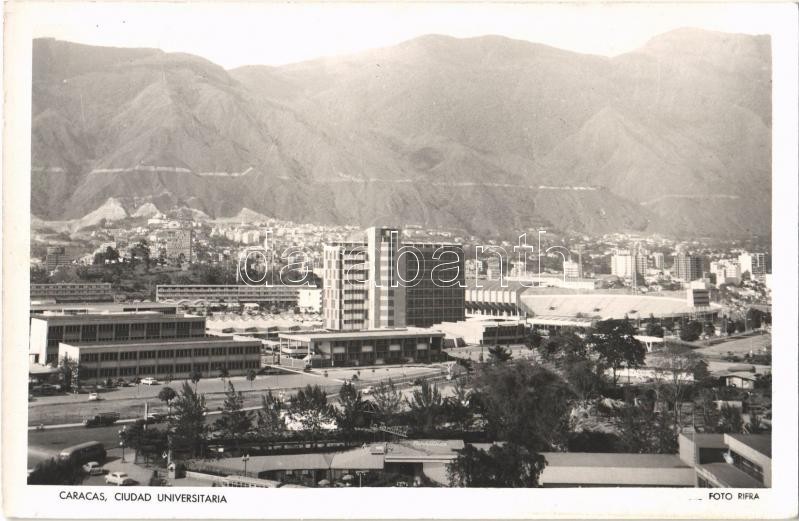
93,468
102,420
93,397
156,417
149,381
120,479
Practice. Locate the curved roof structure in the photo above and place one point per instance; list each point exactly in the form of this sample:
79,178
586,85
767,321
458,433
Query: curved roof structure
606,306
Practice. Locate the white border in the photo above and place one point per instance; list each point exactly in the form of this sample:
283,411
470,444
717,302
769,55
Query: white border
23,501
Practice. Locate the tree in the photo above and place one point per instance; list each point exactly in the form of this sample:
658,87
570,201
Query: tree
740,326
195,376
351,414
675,364
223,374
69,370
565,348
653,329
691,331
426,406
534,340
309,407
708,329
755,318
166,395
56,472
502,465
388,401
523,403
730,327
234,422
269,421
251,374
458,408
187,425
730,420
583,379
614,341
643,431
499,354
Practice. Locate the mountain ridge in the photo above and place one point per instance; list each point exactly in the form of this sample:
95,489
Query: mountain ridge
435,129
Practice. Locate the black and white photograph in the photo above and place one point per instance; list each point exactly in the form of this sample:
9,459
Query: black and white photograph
404,246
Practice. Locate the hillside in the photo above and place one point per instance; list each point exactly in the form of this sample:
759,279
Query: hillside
486,134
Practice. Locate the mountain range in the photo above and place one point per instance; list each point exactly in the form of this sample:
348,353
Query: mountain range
486,134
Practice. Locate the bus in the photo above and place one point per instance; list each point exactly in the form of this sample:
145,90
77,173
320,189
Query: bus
84,452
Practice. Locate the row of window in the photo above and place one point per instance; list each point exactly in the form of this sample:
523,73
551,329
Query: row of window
170,353
164,370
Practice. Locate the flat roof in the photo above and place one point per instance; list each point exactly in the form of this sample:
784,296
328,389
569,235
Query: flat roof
196,341
613,460
100,306
759,442
729,475
605,306
364,334
141,316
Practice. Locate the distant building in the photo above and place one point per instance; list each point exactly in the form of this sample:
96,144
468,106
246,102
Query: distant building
756,264
658,260
622,264
73,292
379,282
56,257
87,308
687,267
726,271
179,243
279,295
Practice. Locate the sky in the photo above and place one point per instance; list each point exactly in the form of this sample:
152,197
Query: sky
232,35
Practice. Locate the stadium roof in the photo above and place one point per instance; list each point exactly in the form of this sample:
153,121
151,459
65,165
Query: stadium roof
606,306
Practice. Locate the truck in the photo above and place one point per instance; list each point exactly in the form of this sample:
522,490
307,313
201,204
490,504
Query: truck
102,419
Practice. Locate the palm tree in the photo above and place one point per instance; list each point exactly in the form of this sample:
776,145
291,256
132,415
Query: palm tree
195,378
166,395
425,405
251,374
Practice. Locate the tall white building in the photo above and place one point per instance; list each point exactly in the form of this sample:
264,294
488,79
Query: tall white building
726,271
622,264
756,264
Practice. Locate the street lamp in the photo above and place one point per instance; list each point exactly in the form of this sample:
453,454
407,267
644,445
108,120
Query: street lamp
122,438
245,459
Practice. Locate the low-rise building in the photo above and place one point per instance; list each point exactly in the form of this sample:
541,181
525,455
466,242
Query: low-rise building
177,358
86,308
73,292
485,331
728,460
48,331
271,295
366,347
